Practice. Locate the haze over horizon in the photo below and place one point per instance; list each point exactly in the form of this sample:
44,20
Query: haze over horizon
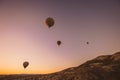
24,35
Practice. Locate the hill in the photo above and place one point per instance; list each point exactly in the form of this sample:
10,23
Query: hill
105,67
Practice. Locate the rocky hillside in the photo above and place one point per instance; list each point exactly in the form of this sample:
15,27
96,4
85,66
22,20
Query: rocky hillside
105,67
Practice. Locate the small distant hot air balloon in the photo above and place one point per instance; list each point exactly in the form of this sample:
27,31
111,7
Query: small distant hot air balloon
49,22
25,64
59,43
87,42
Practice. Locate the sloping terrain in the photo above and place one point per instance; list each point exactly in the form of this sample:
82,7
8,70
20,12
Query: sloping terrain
106,67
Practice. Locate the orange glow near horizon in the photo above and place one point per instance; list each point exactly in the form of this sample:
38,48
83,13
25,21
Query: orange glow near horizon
5,70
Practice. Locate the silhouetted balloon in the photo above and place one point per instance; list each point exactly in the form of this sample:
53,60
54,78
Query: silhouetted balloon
87,42
50,22
59,43
25,64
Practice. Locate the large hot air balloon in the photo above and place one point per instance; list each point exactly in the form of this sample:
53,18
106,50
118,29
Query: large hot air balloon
49,22
25,64
59,43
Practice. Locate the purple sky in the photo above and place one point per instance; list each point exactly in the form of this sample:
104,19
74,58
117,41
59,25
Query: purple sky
24,35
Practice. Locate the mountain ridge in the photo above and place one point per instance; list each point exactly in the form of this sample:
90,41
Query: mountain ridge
104,67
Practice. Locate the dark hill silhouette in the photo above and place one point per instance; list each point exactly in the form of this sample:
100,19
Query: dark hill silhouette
105,67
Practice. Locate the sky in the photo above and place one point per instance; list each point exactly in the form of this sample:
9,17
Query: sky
24,36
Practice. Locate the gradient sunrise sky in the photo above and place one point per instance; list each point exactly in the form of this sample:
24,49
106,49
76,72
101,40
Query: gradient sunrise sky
24,35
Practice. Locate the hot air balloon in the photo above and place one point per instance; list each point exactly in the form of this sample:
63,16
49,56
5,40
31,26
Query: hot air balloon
49,22
25,64
87,42
59,43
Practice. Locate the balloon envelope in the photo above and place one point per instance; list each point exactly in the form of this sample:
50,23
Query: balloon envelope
49,22
87,42
25,64
58,43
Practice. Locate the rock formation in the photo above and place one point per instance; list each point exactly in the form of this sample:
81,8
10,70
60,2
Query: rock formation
105,67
